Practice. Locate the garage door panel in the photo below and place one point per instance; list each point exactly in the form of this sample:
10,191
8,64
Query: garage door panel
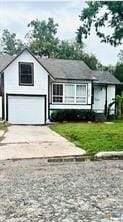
26,110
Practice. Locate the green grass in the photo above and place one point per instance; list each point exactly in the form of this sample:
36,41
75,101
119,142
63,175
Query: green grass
94,137
3,126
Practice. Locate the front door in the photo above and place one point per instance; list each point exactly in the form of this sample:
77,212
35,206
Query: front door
99,99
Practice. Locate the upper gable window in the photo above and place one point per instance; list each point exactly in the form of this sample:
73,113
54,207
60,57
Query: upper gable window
26,73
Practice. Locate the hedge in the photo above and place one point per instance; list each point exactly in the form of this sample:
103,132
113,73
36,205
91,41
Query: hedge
72,115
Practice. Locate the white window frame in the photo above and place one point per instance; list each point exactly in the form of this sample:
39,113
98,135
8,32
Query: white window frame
75,97
81,96
58,95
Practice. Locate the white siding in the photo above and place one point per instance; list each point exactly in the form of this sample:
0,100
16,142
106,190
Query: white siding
100,97
111,96
65,106
11,78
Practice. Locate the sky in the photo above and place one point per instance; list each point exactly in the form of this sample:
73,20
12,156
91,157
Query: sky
15,15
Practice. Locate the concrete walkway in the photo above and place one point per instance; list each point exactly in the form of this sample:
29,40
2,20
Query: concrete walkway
33,142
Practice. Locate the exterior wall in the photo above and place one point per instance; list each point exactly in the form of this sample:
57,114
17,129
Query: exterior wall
100,97
72,106
69,106
111,93
11,79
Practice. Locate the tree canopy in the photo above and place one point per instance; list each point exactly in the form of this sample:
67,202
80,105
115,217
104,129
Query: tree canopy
73,50
10,44
100,14
69,50
121,56
42,37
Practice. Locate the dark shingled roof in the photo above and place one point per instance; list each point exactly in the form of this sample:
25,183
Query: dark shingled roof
105,77
67,69
4,61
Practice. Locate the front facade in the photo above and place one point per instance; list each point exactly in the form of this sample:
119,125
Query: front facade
32,88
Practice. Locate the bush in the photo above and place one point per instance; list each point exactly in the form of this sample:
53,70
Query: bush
72,115
111,117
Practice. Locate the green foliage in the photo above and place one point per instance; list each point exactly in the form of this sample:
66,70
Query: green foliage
119,107
119,75
111,15
121,56
93,137
69,50
91,61
42,40
72,115
73,50
10,44
3,126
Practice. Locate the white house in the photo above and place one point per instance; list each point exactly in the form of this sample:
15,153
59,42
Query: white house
31,88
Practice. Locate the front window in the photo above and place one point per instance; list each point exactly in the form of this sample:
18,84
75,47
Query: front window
69,93
81,93
26,73
57,93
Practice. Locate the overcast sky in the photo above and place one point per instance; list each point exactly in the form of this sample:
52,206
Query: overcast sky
16,15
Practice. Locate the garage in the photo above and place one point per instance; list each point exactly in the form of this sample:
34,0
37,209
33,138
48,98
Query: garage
26,109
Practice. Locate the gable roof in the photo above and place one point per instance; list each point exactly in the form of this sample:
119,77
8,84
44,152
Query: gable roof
105,77
4,61
64,69
7,60
67,69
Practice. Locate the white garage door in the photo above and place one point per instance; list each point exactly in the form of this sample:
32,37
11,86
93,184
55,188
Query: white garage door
26,110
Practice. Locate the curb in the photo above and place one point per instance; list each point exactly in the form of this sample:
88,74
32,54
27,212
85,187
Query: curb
69,159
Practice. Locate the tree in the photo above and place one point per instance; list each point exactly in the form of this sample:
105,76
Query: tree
73,50
121,56
91,61
42,37
69,50
10,44
100,14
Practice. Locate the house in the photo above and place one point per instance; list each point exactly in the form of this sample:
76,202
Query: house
32,87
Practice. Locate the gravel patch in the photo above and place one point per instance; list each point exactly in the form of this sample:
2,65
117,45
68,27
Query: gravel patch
31,190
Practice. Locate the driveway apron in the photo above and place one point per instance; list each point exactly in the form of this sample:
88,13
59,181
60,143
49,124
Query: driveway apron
35,142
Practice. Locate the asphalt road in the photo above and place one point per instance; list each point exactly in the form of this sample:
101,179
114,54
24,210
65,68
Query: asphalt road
31,190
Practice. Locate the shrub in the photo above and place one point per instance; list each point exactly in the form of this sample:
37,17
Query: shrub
111,117
72,115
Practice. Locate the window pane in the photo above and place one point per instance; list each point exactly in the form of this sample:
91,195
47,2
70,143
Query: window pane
57,99
26,73
57,93
69,90
81,90
69,93
81,94
58,89
80,99
26,79
26,69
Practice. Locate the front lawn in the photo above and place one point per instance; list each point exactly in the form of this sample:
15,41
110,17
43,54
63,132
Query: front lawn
93,137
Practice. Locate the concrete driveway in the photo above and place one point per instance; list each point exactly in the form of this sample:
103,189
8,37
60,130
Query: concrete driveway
33,142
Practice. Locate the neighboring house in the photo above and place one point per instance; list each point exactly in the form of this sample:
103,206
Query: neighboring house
32,87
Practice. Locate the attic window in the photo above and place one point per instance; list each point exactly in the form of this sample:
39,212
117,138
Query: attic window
26,74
